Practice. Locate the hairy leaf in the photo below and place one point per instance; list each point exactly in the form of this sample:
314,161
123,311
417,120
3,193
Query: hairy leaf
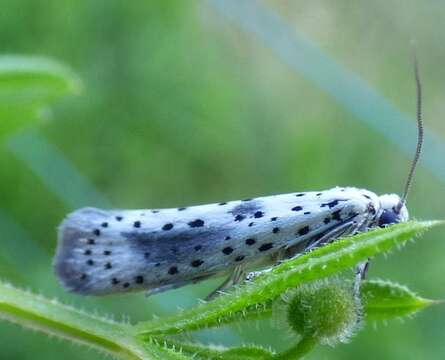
385,300
322,262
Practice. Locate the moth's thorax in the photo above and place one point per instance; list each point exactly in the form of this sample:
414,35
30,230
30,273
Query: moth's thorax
389,213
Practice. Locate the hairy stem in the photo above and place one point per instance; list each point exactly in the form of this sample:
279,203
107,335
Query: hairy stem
51,317
303,347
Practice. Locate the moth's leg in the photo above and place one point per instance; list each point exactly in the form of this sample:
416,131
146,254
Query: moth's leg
236,276
361,270
344,229
163,288
176,285
253,274
349,227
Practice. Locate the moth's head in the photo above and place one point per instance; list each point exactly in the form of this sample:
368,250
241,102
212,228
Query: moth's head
392,210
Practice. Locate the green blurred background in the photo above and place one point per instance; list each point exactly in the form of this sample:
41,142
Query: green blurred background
181,106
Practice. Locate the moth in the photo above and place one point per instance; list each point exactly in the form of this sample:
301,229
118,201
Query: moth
116,251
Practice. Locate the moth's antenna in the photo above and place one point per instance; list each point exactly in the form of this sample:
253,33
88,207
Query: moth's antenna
419,137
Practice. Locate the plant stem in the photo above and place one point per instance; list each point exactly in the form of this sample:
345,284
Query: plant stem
305,345
198,351
49,316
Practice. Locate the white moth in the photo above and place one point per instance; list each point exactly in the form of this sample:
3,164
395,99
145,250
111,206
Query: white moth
113,251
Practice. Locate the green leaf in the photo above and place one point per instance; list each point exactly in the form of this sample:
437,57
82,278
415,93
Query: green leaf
385,300
322,262
27,86
49,316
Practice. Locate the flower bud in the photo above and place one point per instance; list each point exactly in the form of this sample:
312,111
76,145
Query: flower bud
326,310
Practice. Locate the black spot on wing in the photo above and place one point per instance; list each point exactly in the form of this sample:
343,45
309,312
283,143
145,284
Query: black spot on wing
303,231
336,215
196,223
246,208
173,270
197,263
227,250
167,227
331,204
239,217
258,214
265,247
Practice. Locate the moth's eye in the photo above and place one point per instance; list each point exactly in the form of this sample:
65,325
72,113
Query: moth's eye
388,217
